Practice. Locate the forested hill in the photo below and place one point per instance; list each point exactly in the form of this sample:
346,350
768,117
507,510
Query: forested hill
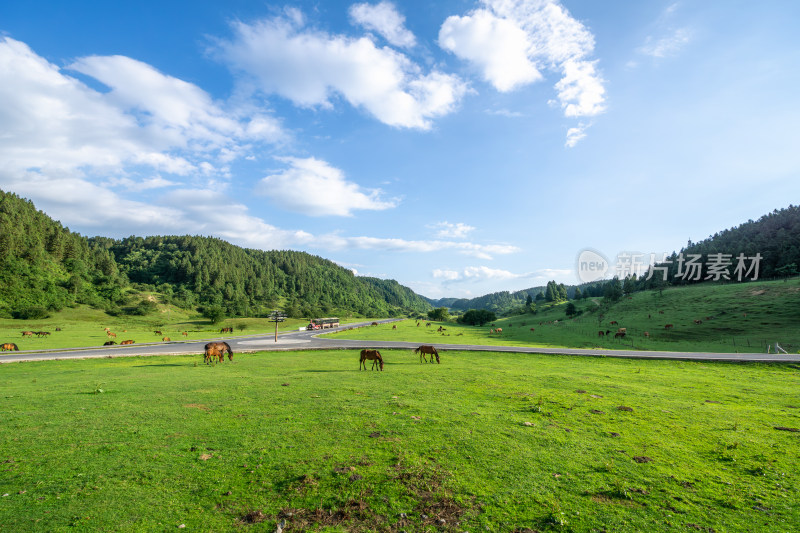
44,266
776,236
499,302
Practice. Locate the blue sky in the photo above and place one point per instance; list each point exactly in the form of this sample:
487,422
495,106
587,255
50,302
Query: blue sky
459,147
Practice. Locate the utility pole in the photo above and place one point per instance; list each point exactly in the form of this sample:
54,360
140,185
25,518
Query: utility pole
277,316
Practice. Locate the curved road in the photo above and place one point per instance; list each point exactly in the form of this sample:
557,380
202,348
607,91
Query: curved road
309,340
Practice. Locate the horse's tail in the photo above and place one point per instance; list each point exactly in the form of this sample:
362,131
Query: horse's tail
16,349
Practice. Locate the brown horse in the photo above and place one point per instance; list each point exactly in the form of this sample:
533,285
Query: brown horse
166,339
9,347
127,341
217,349
372,355
27,334
422,350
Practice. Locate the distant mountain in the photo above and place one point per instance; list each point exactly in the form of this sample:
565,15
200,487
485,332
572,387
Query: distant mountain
44,266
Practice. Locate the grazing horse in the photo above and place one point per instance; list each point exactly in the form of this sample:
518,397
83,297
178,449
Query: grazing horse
227,329
499,330
27,334
127,341
9,347
619,334
185,334
533,329
109,343
165,339
422,350
108,333
669,326
42,333
372,355
647,334
218,349
157,332
613,323
394,327
698,321
374,324
600,333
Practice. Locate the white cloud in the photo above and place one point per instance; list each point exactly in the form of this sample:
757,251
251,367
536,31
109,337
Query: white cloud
484,273
52,121
446,230
384,19
447,275
511,41
497,46
481,251
574,135
309,68
476,273
315,188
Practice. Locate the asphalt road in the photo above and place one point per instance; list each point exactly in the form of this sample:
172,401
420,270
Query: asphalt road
308,340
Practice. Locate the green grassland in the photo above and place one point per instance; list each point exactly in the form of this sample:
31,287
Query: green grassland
483,441
82,326
741,318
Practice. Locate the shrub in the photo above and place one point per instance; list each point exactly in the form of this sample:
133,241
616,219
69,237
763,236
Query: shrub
30,313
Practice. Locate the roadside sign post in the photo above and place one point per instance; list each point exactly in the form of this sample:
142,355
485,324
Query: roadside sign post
277,316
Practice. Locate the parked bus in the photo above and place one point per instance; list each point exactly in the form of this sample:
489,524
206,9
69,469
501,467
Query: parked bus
323,323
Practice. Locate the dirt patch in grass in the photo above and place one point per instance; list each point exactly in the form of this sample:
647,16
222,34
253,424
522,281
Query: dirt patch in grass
198,406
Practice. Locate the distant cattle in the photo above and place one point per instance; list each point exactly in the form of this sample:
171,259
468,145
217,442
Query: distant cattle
619,334
622,330
669,326
533,329
601,333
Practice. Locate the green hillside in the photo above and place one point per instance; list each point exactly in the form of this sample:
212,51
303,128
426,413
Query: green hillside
44,267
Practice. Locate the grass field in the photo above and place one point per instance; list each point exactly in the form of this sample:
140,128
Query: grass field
482,442
82,327
743,318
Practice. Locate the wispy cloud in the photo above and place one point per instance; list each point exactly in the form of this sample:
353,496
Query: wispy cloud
667,45
484,273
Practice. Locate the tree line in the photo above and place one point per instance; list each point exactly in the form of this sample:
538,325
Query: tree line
45,267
